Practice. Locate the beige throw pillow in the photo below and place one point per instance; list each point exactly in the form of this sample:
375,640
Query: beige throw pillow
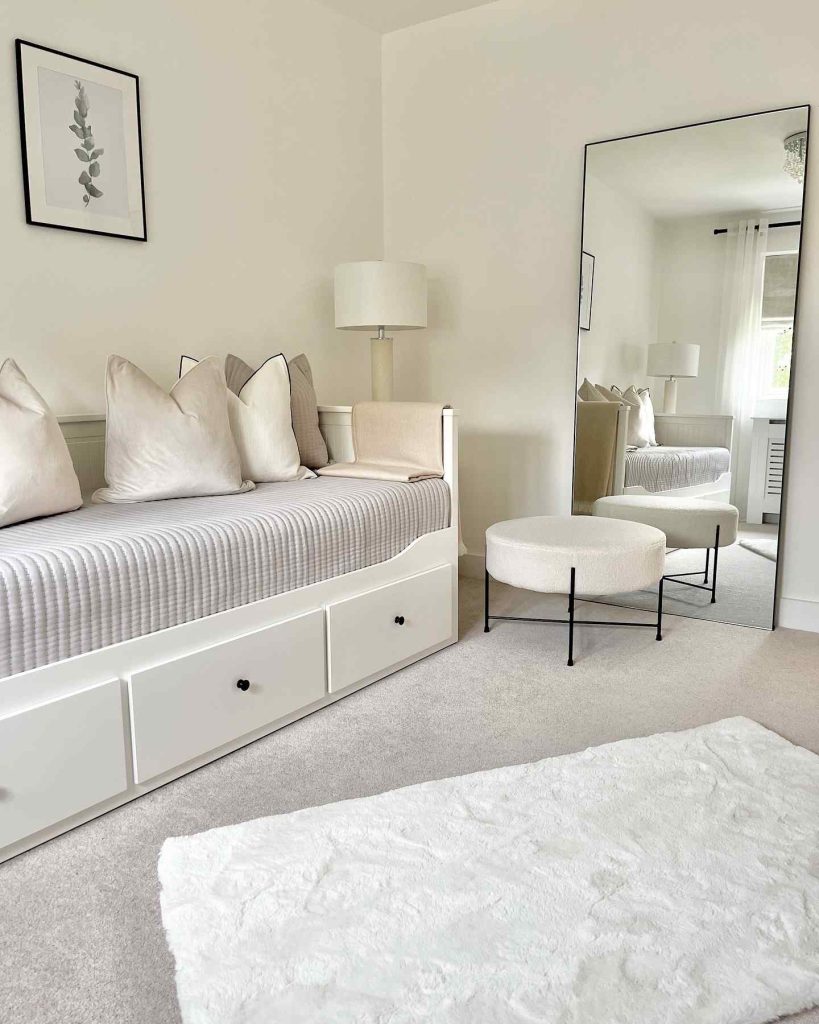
587,392
609,394
37,475
260,419
304,407
160,445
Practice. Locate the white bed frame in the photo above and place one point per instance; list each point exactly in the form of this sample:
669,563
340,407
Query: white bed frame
83,736
696,430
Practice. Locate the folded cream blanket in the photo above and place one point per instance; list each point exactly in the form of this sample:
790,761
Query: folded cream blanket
394,441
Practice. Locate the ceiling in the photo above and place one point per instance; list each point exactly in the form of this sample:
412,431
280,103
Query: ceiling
389,15
723,167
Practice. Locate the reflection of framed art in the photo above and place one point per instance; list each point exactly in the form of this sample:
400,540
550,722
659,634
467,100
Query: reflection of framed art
586,290
81,143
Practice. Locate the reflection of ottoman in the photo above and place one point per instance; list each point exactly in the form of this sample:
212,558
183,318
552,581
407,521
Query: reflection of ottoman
686,523
578,554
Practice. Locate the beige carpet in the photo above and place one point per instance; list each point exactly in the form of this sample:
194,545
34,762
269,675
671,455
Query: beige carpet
81,940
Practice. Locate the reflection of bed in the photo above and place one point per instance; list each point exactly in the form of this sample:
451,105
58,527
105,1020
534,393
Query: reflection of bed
669,468
693,458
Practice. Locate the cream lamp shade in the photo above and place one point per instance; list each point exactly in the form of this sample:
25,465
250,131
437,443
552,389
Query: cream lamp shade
381,295
672,361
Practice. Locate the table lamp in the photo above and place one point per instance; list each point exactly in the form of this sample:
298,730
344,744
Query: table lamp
672,361
381,295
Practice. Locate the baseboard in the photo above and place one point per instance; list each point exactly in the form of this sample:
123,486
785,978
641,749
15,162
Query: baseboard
797,614
471,566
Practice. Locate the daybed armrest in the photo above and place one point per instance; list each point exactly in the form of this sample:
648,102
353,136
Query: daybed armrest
694,431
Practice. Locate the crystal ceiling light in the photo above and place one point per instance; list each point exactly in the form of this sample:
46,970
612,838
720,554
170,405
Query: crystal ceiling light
796,147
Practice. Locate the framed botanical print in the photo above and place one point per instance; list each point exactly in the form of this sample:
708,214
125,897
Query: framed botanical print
586,290
81,144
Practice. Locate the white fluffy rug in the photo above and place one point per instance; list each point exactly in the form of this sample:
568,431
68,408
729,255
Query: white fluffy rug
671,879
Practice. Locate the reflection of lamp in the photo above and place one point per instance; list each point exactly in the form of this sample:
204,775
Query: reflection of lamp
672,361
375,294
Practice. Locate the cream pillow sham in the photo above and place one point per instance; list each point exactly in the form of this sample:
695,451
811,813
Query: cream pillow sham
37,475
260,419
160,445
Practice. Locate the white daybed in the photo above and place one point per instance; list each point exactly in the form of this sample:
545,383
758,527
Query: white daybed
176,658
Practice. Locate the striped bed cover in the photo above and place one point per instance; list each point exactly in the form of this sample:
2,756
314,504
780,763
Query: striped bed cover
665,468
77,582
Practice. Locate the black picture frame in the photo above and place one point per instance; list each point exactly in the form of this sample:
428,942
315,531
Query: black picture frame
86,221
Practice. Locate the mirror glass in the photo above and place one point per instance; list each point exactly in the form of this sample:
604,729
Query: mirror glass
689,273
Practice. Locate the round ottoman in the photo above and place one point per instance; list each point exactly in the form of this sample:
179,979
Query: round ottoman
686,523
574,554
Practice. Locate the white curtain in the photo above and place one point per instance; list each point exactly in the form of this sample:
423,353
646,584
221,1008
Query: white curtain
741,342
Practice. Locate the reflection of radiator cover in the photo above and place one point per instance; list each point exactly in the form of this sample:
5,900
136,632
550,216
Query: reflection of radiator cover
767,464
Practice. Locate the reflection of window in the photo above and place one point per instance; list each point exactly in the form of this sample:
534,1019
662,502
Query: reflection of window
778,303
775,367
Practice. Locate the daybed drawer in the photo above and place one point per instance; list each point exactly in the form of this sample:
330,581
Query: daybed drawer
370,633
194,704
59,758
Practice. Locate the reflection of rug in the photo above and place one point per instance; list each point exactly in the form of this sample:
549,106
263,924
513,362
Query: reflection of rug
765,546
666,880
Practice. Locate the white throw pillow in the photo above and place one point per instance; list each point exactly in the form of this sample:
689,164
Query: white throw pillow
637,425
260,419
37,475
648,413
160,445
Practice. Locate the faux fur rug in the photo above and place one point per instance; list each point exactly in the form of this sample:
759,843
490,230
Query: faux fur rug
671,879
765,546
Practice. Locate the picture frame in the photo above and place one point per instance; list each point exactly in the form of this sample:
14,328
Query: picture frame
586,290
81,144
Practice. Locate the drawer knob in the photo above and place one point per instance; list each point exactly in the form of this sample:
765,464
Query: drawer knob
243,685
399,620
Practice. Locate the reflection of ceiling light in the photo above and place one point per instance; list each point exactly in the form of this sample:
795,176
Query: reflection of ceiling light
796,146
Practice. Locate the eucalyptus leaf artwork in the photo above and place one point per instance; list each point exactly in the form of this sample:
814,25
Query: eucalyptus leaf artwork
89,154
81,142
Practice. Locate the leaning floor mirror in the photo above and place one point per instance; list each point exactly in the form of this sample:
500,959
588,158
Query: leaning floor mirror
688,295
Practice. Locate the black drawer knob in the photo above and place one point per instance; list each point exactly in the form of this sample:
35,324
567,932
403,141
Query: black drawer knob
243,685
399,620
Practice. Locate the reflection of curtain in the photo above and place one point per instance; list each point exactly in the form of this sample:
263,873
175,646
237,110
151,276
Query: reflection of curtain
741,343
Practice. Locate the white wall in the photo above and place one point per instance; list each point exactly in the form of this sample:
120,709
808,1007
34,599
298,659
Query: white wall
620,234
485,116
262,141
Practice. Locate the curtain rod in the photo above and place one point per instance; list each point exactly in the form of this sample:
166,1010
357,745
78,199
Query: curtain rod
779,224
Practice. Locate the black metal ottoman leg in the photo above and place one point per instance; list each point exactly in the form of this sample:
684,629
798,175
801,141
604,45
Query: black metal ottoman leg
571,620
485,601
714,577
660,609
707,563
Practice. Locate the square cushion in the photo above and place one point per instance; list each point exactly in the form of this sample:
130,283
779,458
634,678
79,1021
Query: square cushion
304,408
168,445
37,475
587,392
258,404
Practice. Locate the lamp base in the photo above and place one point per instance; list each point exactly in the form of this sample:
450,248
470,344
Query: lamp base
381,362
670,396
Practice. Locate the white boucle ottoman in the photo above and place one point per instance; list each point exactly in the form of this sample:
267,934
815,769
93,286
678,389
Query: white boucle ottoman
574,554
686,523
